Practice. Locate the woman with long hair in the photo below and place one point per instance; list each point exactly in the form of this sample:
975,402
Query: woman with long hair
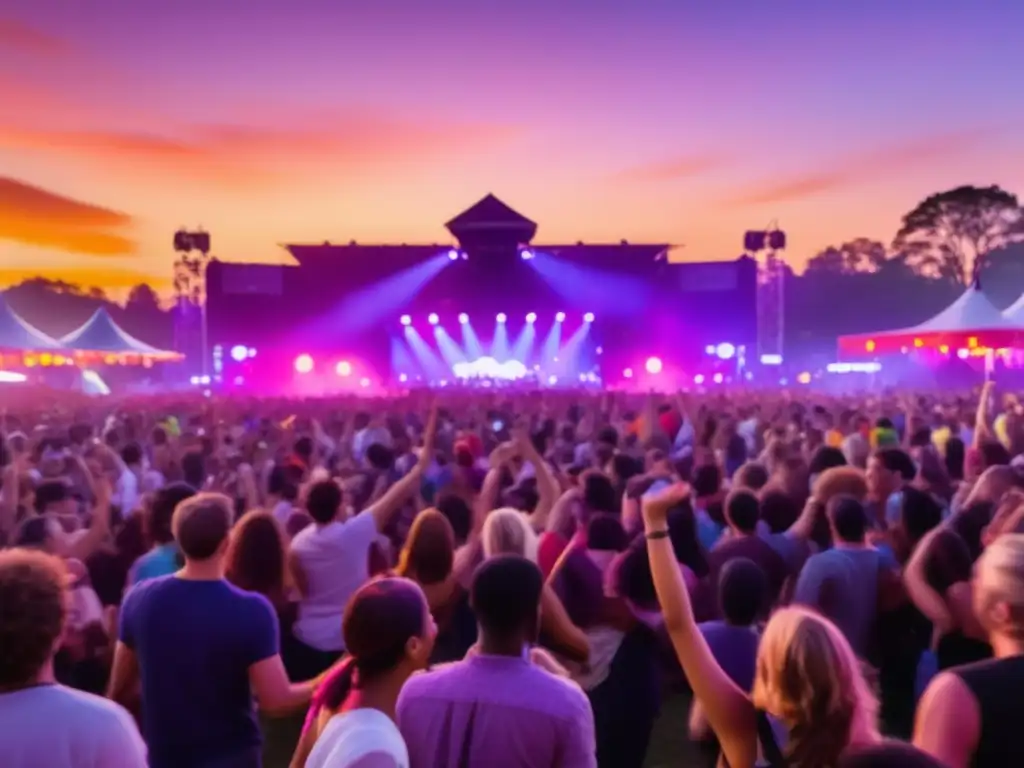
809,691
428,558
389,634
257,561
257,558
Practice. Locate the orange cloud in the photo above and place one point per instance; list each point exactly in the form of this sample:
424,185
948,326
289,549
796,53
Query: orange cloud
243,154
20,37
34,216
672,169
857,169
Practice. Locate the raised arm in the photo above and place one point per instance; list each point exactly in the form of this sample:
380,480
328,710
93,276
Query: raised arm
981,419
394,497
927,600
99,527
728,709
547,485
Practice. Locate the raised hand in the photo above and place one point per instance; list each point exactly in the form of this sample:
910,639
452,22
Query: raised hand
656,508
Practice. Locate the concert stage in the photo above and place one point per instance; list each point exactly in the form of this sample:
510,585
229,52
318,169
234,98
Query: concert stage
492,304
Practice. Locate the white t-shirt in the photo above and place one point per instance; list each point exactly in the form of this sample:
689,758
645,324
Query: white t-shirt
335,560
126,492
51,726
353,735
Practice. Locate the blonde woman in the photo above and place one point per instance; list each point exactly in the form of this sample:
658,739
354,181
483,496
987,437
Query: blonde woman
507,531
968,716
808,680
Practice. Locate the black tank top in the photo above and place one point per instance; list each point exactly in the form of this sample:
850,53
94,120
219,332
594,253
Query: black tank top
996,685
956,649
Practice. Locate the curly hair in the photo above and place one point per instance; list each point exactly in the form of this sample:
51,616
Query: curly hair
33,593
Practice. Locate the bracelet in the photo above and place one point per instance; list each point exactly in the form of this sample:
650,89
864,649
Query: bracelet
651,535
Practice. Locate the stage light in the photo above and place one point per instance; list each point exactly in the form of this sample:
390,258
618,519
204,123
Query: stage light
725,351
501,317
526,254
552,379
588,318
463,318
10,377
718,378
653,365
771,359
698,379
560,317
532,317
709,349
239,353
406,320
433,319
874,367
303,363
628,373
194,381
963,354
252,351
804,378
403,378
364,382
239,381
343,368
453,255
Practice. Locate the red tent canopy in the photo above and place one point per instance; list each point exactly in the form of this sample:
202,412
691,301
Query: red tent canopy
970,322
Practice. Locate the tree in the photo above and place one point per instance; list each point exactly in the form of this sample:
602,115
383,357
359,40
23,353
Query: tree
142,298
949,234
852,257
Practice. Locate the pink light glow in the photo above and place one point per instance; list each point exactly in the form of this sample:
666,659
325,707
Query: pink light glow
303,364
653,365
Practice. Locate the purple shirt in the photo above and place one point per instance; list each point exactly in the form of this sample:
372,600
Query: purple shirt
498,711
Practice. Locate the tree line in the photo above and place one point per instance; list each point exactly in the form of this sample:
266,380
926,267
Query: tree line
946,242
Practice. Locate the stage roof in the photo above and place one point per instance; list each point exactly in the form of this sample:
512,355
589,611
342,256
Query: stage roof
489,212
487,220
404,255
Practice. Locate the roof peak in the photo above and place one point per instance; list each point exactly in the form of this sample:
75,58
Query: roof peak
490,213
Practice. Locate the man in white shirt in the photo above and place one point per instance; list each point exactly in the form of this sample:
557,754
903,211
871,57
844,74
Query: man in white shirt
41,722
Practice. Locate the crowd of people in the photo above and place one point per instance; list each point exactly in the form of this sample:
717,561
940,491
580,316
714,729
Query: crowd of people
512,580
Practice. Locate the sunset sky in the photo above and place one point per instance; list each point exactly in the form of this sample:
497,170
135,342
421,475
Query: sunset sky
688,122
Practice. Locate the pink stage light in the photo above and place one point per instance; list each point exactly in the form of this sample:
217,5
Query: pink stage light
343,368
628,373
303,364
653,365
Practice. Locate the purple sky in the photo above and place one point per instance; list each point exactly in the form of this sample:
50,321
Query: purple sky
269,121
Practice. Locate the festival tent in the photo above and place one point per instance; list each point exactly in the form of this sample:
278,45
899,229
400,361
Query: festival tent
970,323
101,338
1015,312
16,335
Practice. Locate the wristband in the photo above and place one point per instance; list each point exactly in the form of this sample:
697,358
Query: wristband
651,535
